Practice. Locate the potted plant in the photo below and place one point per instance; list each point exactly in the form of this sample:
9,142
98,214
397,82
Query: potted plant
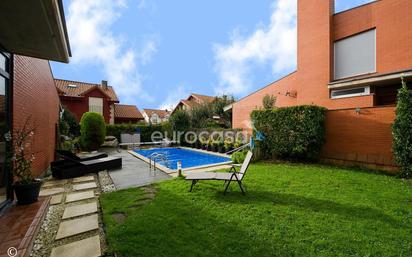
203,142
228,144
220,145
25,186
209,144
215,145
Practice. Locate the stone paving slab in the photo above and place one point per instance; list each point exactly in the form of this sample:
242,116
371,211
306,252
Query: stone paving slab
77,226
53,183
84,186
83,179
51,191
56,199
79,210
79,196
89,247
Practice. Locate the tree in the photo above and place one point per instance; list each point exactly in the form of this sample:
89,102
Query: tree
92,130
74,127
180,120
269,101
201,115
402,131
218,106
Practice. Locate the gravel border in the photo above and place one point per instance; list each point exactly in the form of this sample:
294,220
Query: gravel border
45,241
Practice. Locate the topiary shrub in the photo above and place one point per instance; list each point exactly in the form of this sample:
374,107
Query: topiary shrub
294,133
402,131
92,131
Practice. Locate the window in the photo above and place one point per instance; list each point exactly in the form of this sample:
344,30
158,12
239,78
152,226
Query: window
342,93
355,55
5,176
155,119
96,105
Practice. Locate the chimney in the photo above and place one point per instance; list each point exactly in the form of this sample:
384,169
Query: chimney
104,84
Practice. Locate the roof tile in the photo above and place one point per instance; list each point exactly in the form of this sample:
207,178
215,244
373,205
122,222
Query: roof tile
80,88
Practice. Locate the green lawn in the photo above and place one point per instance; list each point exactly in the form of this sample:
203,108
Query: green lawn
289,210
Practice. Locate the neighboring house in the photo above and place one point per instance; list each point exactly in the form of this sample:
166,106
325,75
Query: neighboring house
192,100
80,97
127,114
27,91
153,116
351,63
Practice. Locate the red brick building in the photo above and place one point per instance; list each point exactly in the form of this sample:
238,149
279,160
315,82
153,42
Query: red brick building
351,63
27,92
80,97
127,114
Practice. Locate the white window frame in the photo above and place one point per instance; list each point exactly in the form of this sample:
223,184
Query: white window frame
366,92
96,108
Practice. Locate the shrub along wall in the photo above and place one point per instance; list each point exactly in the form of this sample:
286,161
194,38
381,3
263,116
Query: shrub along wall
402,131
145,130
293,133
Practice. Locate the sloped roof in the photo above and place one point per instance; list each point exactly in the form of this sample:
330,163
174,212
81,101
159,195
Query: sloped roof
204,98
82,88
127,111
201,98
161,113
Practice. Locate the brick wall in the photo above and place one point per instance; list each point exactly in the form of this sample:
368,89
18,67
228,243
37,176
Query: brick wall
35,95
318,28
363,139
242,109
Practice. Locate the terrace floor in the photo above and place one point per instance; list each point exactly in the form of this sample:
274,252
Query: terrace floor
134,172
20,234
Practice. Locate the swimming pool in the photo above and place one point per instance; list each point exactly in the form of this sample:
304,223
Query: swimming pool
189,158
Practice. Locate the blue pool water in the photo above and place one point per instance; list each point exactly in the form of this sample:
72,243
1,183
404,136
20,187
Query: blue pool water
188,158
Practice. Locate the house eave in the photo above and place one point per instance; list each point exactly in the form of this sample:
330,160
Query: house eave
228,107
34,28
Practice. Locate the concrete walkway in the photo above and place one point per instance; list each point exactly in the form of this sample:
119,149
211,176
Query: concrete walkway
134,172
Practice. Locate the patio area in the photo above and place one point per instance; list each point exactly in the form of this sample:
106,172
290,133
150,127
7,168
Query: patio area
134,172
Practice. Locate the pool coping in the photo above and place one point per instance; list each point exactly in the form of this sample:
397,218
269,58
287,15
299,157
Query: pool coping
170,171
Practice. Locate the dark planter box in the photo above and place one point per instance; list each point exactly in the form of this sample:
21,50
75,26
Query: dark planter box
27,193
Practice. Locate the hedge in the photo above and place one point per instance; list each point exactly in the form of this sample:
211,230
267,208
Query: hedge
293,133
402,131
144,129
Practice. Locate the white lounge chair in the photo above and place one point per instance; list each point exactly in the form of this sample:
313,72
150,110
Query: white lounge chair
228,177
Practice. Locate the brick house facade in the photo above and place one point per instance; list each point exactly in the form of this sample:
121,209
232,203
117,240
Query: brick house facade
80,97
34,96
371,45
